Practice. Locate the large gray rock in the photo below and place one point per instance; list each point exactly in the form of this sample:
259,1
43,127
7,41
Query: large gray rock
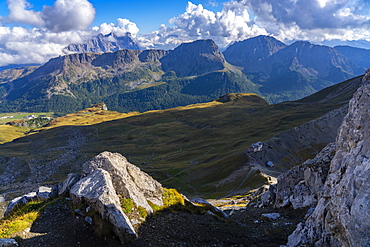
128,180
342,215
98,192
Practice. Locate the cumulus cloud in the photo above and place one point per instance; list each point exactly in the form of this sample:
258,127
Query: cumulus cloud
310,19
287,20
64,15
67,15
121,27
19,45
19,12
229,25
68,21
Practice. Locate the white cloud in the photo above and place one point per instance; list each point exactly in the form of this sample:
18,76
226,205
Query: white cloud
305,19
64,15
229,25
68,21
19,45
67,15
19,12
120,28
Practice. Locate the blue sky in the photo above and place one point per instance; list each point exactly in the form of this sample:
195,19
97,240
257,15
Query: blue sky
33,31
147,14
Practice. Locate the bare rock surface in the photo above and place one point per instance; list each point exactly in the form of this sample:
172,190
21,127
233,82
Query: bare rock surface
342,215
128,180
301,185
97,191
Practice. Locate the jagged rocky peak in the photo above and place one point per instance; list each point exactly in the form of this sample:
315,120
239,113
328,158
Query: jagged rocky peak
247,52
104,43
195,58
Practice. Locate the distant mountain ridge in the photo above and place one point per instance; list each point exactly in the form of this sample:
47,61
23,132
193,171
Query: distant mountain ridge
136,80
104,43
126,80
301,68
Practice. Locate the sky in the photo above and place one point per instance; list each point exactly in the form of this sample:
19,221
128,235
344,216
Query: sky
33,31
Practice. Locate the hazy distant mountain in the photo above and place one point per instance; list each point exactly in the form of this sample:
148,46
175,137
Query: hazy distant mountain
135,80
17,66
364,44
290,72
358,55
104,43
251,53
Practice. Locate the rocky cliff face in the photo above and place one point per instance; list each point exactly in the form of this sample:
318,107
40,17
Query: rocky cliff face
342,214
104,43
335,184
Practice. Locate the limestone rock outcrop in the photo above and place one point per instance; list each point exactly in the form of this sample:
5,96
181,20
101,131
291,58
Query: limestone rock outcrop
98,192
342,214
128,180
300,186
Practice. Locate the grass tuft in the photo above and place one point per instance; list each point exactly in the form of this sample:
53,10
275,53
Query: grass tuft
21,218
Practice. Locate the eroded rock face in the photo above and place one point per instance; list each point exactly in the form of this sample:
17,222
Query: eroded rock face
128,180
301,185
98,192
342,215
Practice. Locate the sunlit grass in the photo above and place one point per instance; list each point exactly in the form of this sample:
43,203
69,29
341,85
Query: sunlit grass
21,218
9,133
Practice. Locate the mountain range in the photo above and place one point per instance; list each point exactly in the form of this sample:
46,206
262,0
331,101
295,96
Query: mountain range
135,80
104,43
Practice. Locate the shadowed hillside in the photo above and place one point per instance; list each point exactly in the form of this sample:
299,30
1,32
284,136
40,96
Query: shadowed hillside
193,148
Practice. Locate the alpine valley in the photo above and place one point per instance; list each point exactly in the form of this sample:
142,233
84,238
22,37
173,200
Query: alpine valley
264,144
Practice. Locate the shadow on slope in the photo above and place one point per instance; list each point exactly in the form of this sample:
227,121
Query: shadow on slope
196,149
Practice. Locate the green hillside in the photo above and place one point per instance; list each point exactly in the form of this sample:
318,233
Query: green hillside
193,148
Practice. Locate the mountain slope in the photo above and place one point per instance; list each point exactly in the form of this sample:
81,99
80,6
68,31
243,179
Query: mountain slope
202,58
290,72
127,80
251,53
358,55
196,148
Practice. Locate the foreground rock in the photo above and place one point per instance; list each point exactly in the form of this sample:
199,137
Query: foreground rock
128,180
98,192
108,176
